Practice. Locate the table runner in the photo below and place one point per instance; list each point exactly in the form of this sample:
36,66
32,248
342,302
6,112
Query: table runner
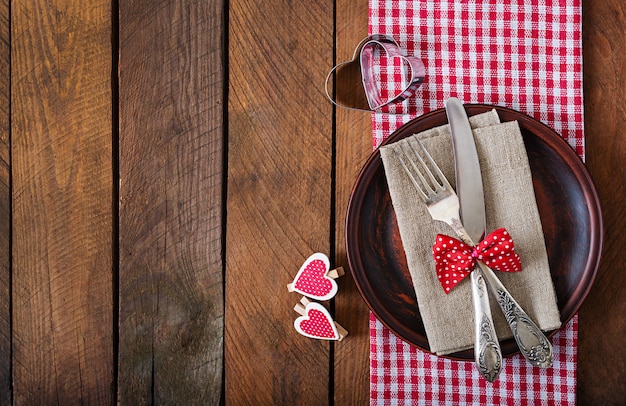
522,54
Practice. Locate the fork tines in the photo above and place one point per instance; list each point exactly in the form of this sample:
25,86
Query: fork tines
430,180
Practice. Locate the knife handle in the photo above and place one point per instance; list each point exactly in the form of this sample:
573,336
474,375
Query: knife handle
533,344
487,351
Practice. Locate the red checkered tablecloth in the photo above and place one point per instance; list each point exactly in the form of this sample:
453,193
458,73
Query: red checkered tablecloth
522,54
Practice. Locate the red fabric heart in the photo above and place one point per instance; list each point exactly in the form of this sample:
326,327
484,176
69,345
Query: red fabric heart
454,259
317,323
312,280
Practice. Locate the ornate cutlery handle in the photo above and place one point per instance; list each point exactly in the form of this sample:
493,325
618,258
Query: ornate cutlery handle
487,351
531,341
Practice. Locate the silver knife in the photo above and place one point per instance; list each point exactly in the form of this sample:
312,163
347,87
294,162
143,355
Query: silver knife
531,341
487,353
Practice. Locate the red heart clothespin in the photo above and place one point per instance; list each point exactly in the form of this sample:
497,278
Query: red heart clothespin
316,322
315,279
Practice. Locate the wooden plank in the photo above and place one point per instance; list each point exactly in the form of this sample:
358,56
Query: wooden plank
171,146
5,205
279,196
354,145
62,202
602,348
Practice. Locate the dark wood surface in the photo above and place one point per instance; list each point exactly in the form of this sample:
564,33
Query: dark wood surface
170,166
5,204
601,351
61,212
353,145
166,167
278,204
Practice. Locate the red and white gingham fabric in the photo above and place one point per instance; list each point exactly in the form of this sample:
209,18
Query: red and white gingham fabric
522,54
404,375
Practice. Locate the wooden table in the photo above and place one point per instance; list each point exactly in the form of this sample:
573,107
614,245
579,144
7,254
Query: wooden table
165,167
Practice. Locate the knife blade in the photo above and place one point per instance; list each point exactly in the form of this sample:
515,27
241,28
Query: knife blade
487,352
531,341
469,184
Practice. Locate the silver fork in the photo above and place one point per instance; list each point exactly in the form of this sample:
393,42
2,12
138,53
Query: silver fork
443,205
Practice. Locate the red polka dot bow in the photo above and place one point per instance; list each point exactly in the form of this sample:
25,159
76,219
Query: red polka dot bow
454,259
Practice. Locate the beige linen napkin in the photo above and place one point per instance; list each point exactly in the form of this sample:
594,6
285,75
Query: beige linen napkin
509,202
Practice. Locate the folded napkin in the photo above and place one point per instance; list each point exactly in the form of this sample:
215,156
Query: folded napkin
509,202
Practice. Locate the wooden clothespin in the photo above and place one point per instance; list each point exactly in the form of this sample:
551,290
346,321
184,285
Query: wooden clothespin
315,279
316,322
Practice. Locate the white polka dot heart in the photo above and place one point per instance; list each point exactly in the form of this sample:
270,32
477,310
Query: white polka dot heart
316,323
315,278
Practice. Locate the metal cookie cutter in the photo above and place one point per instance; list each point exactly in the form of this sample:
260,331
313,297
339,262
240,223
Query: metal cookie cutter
356,85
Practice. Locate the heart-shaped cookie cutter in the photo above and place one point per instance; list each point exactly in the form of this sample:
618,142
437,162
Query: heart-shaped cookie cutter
356,85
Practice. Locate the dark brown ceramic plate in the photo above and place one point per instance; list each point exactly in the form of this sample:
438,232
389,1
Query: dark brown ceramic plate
568,205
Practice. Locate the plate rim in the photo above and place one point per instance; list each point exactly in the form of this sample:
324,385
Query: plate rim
557,144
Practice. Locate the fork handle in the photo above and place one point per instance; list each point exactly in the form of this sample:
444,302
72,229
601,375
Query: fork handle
487,353
533,344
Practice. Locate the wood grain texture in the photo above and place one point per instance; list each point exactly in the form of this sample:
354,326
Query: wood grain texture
602,326
5,205
62,202
354,145
171,147
279,196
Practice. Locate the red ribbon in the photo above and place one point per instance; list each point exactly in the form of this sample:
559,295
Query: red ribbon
454,259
